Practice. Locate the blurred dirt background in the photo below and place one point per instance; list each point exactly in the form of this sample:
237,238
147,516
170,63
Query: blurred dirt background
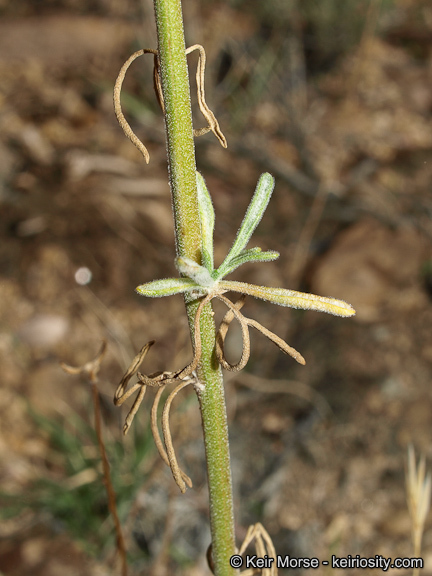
335,99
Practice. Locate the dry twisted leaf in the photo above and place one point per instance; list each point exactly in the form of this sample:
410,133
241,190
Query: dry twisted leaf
213,124
187,376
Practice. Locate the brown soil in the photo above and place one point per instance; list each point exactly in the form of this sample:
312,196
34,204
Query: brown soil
318,451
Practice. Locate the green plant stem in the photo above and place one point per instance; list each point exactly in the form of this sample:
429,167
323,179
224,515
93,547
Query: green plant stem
182,171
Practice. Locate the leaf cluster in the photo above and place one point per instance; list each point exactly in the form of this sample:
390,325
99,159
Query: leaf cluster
201,279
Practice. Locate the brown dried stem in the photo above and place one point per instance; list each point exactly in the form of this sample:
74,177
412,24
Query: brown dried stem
90,371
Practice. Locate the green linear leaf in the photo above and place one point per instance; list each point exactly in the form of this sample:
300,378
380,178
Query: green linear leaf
290,298
207,219
254,213
166,287
251,255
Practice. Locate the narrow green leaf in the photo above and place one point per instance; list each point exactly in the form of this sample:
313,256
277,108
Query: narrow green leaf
207,219
166,287
290,298
197,273
251,255
251,220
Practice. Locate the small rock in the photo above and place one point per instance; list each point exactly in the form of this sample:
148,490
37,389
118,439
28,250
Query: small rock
44,330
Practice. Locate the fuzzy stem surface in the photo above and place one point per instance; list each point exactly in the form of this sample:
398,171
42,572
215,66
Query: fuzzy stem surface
182,174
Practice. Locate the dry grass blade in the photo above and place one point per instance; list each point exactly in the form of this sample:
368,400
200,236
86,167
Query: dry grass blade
418,486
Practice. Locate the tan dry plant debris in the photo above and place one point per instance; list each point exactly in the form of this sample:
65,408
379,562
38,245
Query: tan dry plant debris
263,546
418,488
187,375
213,124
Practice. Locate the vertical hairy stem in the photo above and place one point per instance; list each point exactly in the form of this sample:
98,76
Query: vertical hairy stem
178,119
182,170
